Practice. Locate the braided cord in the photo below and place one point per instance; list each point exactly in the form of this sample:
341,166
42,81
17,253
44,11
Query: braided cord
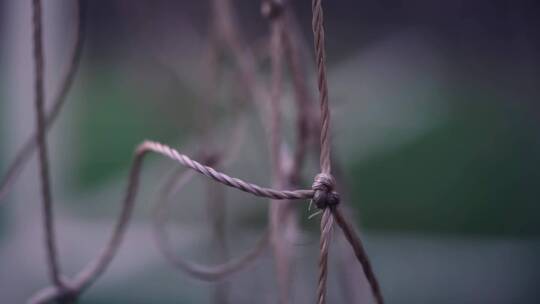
320,54
223,178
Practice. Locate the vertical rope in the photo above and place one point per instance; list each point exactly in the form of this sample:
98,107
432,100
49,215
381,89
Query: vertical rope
360,253
23,155
324,196
302,98
272,10
327,222
320,54
48,218
322,191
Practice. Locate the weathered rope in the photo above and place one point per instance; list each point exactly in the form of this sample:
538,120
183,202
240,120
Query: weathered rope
202,272
223,178
320,54
96,268
324,183
327,223
360,253
324,196
322,191
48,216
24,154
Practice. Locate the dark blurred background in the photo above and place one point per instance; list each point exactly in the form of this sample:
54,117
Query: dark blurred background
436,129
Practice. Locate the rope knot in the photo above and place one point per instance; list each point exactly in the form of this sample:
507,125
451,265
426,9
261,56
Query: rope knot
324,194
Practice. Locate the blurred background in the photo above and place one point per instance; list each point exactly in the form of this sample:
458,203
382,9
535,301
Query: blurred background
435,127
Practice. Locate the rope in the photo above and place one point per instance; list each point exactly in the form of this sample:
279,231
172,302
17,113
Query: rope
48,217
324,196
322,192
320,54
24,154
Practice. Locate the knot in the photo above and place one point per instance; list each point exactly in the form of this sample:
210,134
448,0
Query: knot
272,8
324,194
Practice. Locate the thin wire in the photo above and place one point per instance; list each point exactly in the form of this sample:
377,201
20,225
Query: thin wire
202,272
214,272
24,154
323,180
95,269
276,212
149,146
223,178
48,216
360,253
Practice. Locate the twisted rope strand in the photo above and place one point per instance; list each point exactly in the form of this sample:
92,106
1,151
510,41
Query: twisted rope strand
327,222
24,154
96,268
320,54
223,23
325,188
360,253
223,178
202,272
93,270
47,202
327,194
348,276
322,190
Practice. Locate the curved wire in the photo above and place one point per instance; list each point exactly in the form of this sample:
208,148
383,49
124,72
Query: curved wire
24,154
95,268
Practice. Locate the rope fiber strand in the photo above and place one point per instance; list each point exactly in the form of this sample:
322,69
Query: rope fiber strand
325,197
322,193
24,154
47,205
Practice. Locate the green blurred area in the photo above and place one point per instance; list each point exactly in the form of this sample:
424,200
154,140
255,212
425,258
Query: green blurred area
472,174
475,174
448,207
114,118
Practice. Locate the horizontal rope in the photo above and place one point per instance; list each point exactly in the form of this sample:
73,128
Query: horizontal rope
222,177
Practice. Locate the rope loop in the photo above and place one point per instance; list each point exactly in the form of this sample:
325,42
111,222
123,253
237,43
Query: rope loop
323,191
